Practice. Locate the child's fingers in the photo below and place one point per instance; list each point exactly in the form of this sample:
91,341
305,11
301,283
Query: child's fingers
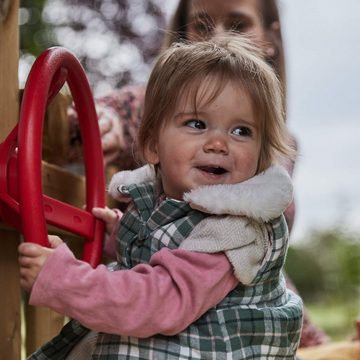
29,249
26,261
31,254
26,279
54,241
105,214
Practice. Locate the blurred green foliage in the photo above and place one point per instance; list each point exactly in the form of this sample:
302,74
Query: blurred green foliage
326,264
325,268
336,318
35,33
115,40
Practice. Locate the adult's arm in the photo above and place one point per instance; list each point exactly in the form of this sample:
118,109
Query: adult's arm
164,296
119,115
311,335
289,165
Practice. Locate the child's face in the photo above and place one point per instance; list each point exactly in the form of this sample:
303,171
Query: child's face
219,146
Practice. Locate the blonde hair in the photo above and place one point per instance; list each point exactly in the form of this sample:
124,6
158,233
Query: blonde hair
180,70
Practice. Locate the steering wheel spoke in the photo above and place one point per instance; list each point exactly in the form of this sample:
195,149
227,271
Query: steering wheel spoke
68,217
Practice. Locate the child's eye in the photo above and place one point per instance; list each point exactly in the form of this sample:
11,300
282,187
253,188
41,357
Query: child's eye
242,131
195,124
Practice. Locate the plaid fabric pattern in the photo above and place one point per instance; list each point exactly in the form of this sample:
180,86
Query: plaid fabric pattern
60,346
148,226
261,321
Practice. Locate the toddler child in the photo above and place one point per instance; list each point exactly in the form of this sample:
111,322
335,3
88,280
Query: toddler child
202,243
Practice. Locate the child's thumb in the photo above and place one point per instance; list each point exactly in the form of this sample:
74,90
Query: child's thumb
54,241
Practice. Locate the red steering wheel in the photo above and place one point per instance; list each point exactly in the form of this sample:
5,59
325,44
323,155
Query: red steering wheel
48,74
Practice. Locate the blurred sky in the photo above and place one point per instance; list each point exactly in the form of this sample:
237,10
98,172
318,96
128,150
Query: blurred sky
322,43
322,46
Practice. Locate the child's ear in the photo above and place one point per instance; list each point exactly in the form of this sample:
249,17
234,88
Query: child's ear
151,152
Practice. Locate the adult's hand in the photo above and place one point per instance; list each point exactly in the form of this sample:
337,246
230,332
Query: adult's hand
111,132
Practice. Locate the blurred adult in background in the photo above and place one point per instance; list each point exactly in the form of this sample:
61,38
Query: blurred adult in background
120,111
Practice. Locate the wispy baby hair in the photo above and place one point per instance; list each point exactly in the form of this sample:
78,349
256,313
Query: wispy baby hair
180,71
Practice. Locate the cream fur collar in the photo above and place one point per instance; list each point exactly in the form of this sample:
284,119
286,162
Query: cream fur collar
263,197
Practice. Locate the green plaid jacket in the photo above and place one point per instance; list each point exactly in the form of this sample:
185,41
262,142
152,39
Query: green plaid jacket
262,321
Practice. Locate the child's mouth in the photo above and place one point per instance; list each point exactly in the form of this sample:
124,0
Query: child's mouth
215,170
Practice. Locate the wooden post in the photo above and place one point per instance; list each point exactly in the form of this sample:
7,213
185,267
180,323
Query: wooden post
42,324
10,334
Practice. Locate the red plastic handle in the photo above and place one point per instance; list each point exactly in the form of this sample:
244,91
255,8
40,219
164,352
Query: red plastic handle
46,78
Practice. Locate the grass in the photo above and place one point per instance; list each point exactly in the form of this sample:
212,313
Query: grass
336,317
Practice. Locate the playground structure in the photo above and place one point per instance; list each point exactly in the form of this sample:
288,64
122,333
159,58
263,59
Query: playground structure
21,202
24,177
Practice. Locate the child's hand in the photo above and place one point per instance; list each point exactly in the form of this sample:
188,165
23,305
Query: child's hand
32,258
110,217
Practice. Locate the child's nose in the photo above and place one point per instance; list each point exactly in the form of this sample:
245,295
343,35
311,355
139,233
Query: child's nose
216,143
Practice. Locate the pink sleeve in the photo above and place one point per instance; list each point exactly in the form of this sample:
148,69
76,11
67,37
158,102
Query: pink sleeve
164,296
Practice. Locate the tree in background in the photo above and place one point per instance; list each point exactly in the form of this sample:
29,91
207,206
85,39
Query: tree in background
325,265
326,270
115,40
35,33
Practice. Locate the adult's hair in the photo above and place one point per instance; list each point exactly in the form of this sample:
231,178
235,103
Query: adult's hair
182,69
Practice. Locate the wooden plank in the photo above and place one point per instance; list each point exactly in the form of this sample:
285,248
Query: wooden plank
69,188
63,185
42,324
10,334
56,141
